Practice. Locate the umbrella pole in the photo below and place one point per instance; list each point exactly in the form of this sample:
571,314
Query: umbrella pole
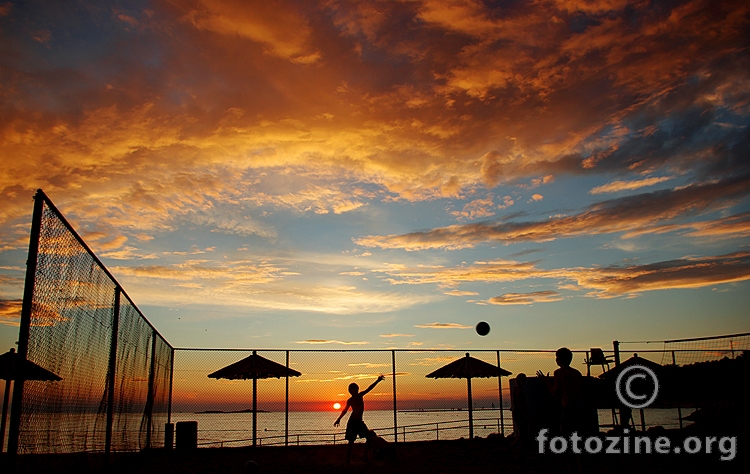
255,408
471,418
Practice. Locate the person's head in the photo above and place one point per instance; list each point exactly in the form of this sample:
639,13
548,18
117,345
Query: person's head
563,357
353,388
521,379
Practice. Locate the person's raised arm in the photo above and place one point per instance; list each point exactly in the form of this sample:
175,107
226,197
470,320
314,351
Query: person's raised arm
343,412
549,383
367,390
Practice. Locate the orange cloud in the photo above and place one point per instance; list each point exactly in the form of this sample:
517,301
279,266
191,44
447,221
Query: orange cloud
617,186
283,31
477,209
10,312
606,282
547,296
331,341
437,325
634,212
729,227
682,273
460,293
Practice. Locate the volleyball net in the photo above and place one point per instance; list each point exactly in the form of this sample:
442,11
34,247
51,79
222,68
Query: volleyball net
106,378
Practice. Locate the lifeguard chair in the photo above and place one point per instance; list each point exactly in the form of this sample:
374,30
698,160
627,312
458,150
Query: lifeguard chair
596,357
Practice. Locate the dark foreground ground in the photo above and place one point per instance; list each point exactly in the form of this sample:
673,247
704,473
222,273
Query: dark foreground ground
431,457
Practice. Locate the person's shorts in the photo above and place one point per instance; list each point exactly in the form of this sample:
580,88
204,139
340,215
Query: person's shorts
356,428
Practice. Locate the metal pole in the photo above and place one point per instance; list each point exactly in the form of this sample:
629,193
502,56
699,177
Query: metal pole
169,428
255,408
171,386
616,345
679,408
25,324
393,376
500,396
616,348
6,399
151,390
471,418
286,408
111,372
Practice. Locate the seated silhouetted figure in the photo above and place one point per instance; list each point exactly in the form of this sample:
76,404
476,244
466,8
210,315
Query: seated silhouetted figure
521,418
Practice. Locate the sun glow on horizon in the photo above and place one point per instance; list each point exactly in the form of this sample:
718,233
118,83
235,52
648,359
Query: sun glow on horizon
336,406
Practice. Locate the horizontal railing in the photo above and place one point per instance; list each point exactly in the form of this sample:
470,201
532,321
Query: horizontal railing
323,437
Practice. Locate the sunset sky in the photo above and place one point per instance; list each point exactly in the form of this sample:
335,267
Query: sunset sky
349,174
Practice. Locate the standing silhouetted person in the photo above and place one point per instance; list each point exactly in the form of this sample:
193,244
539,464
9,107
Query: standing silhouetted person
567,385
356,426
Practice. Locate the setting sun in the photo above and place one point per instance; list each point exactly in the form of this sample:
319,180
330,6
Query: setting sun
336,406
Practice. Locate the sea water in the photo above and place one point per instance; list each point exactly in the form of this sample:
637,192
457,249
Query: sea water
316,427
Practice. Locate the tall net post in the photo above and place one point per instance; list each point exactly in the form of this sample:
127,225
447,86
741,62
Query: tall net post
25,324
112,370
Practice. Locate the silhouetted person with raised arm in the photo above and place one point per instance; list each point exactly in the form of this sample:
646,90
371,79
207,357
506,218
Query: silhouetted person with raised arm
356,426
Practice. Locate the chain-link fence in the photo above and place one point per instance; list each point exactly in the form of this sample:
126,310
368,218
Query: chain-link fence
114,368
690,370
406,406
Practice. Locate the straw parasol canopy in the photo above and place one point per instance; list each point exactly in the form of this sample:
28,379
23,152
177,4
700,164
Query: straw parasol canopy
467,368
254,367
9,370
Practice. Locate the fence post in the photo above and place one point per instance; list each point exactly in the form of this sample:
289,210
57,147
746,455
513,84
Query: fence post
286,408
111,371
616,346
24,329
171,384
679,408
500,395
395,419
6,400
151,389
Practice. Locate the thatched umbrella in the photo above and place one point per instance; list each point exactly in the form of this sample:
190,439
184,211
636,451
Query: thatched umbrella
254,367
612,374
635,360
9,370
467,368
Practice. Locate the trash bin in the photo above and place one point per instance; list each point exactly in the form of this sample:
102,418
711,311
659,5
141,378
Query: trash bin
187,435
169,436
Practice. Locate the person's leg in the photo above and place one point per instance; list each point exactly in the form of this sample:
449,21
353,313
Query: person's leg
349,451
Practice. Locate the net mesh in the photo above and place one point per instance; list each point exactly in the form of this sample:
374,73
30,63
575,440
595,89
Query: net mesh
686,352
71,335
425,408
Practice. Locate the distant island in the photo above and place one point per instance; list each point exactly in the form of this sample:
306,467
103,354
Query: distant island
211,412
